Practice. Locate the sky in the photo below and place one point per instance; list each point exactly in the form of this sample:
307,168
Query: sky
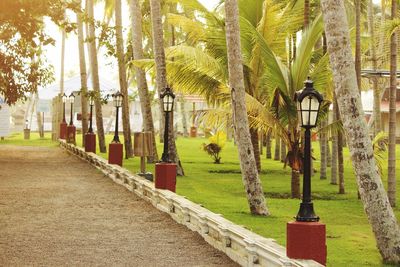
108,67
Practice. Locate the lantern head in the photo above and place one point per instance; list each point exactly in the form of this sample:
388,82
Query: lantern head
117,99
71,98
91,100
64,98
167,98
309,102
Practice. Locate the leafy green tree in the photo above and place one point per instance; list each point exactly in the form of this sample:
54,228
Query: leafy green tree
22,65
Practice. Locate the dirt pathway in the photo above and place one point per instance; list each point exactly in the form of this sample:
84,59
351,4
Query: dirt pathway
57,210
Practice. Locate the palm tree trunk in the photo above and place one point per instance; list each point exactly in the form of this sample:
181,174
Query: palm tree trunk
123,80
82,67
95,76
377,99
328,153
251,180
283,151
334,164
323,154
340,153
357,59
145,103
306,13
268,145
295,184
159,56
161,75
373,195
277,150
254,141
184,118
392,114
61,75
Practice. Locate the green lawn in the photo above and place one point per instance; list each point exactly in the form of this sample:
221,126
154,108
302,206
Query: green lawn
219,188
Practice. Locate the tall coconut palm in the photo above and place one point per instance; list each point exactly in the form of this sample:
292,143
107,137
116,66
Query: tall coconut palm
375,88
373,195
306,13
95,75
82,67
392,113
123,84
323,149
161,74
357,58
277,150
159,56
334,158
255,195
268,145
62,72
340,153
145,101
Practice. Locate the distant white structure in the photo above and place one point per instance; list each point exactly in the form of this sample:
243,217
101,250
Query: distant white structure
4,119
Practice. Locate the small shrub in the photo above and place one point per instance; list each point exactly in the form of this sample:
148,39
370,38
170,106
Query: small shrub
217,142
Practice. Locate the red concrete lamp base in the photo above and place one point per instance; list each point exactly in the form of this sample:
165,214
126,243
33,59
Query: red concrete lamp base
306,240
115,153
90,142
165,176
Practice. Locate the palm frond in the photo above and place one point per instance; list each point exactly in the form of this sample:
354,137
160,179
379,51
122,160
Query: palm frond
380,143
301,65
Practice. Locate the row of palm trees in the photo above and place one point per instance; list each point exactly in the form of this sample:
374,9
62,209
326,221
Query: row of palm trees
250,67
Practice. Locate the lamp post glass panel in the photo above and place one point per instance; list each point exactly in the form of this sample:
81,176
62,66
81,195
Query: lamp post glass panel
167,100
71,100
91,103
64,100
309,101
117,100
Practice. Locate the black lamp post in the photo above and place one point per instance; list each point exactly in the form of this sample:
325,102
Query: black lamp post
71,100
309,101
117,100
91,103
167,99
64,100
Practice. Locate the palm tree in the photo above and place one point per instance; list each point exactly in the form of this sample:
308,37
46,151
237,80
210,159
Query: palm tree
334,158
339,152
248,166
323,149
161,74
277,150
122,80
377,98
392,113
95,75
63,36
82,66
373,195
145,103
357,59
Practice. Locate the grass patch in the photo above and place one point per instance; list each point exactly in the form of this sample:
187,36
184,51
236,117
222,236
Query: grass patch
219,188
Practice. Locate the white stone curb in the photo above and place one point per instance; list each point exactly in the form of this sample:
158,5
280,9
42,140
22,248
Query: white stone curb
241,245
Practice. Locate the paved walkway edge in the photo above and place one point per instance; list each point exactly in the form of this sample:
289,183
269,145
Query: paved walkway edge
241,245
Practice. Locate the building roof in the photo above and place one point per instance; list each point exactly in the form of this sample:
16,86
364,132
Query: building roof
380,73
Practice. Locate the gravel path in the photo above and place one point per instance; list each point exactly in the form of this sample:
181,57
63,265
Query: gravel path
56,210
